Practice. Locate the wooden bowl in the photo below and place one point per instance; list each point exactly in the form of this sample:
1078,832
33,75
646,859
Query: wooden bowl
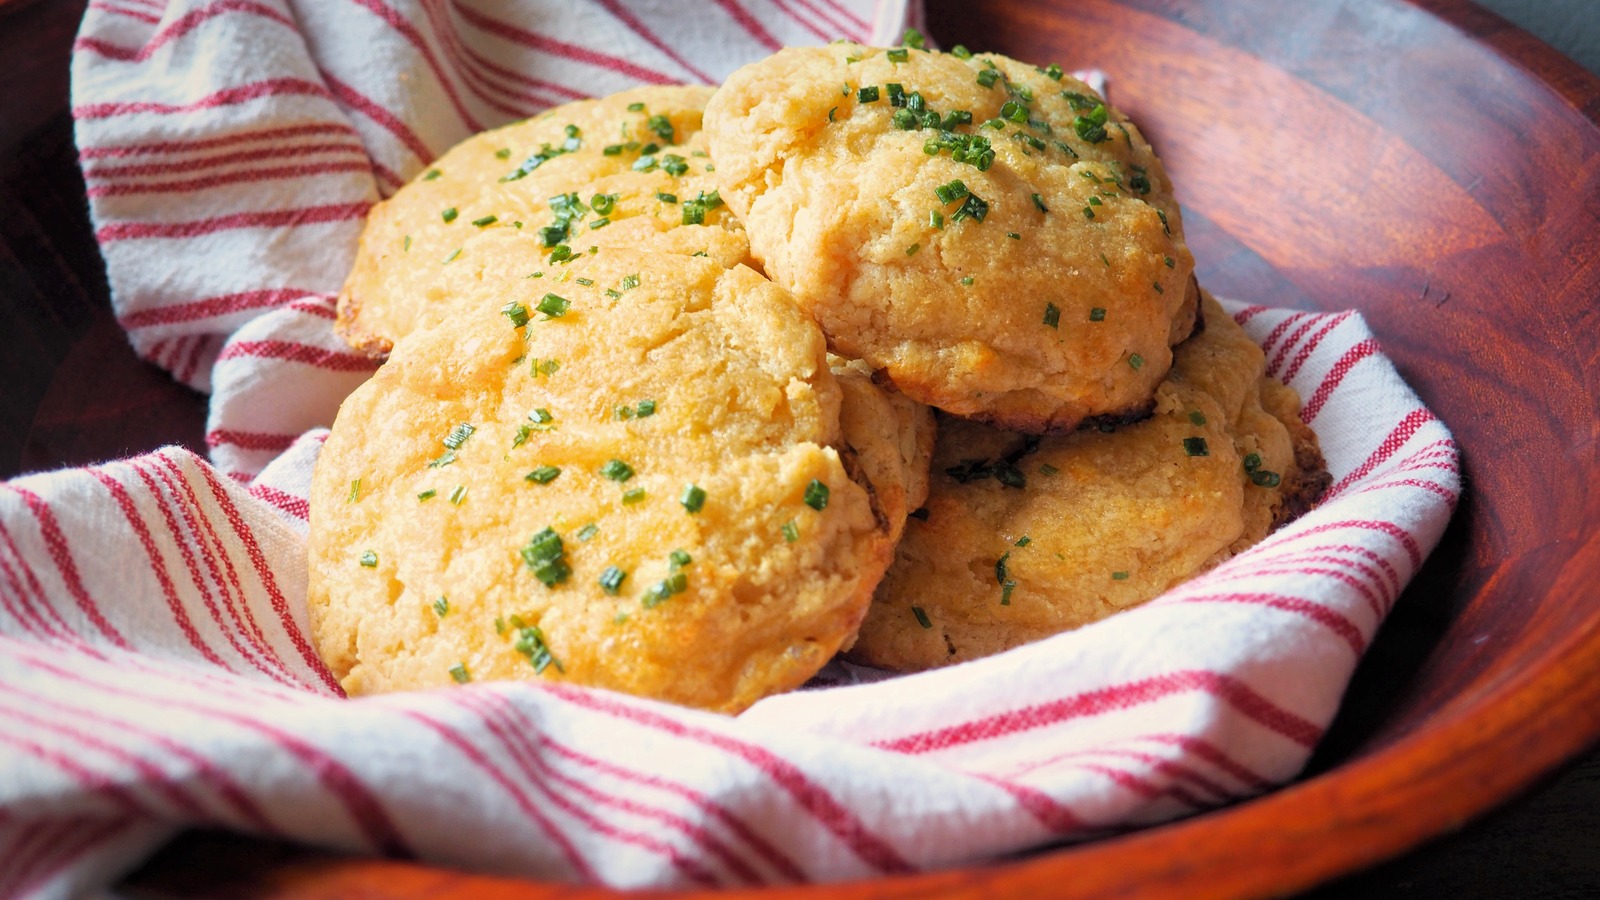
1420,160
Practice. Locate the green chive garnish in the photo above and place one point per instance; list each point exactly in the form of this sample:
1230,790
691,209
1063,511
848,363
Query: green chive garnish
516,312
460,674
432,174
1024,541
646,407
1039,203
959,51
791,533
899,55
922,617
1052,315
635,495
458,494
1199,418
428,494
868,94
817,495
543,474
912,250
586,532
1196,446
616,470
355,490
1136,361
544,555
485,221
369,559
1047,470
458,436
441,606
611,579
553,306
449,214
1119,576
693,497
1098,314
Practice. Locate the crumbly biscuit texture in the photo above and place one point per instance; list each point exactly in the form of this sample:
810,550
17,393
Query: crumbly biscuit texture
993,237
629,170
635,485
888,440
1022,537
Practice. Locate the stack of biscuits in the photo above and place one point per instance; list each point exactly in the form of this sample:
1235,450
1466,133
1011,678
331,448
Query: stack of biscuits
886,352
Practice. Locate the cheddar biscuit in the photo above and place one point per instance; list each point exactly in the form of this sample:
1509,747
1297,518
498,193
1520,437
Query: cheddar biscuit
623,471
1023,537
993,237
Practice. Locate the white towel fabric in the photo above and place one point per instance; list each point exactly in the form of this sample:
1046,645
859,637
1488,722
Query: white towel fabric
155,669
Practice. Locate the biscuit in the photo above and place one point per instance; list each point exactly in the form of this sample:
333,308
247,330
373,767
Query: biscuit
997,240
543,175
1024,537
888,441
620,471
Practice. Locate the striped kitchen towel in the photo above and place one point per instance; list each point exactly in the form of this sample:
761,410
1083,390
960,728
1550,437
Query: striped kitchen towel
155,668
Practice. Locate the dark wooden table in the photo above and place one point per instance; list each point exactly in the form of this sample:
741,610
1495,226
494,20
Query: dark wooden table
1545,844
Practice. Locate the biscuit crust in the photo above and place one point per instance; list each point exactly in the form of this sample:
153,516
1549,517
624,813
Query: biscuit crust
1088,524
506,179
689,373
1048,287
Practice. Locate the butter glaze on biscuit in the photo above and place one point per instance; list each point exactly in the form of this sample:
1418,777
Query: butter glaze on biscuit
506,178
1046,288
1088,524
658,373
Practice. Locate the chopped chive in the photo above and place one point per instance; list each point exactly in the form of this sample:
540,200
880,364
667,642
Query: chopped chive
898,55
355,490
662,127
791,533
967,280
543,474
913,39
1159,288
816,495
458,436
1047,470
599,223
530,642
632,496
485,221
935,219
988,77
1013,235
459,673
445,459
912,250
1136,361
959,51
666,198
458,494
951,192
1163,217
1119,576
1265,478
1098,314
1010,475
544,554
612,150
679,558
516,312
1196,446
406,245
693,498
586,532
432,174
1039,203
1052,315
586,282
449,214
602,204
611,579
1096,201
868,94
1024,541
897,94
658,593
503,153
1199,418
441,606
369,560
973,207
452,257
623,412
1252,462
1000,568
616,470
1052,72
635,107
922,617
1170,262
541,415
831,113
646,408
428,494
1006,588
553,306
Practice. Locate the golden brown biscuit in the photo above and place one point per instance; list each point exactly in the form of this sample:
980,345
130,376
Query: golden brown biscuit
544,173
635,489
998,241
1022,537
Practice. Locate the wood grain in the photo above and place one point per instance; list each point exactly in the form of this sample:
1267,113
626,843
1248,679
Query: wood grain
1420,160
